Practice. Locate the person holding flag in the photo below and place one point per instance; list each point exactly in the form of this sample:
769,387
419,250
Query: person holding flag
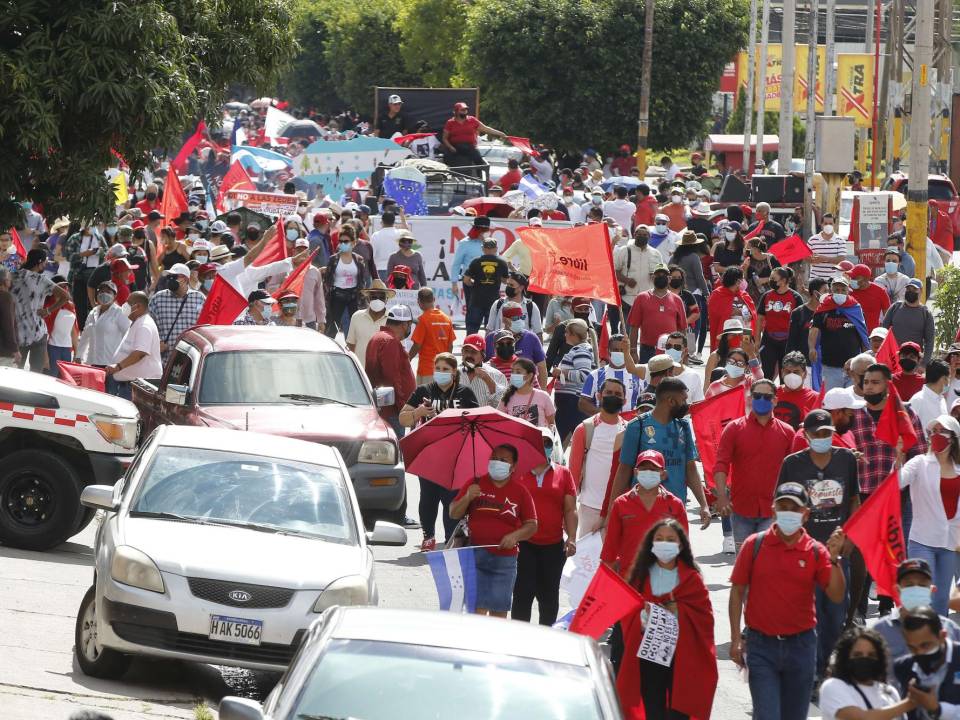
666,574
837,333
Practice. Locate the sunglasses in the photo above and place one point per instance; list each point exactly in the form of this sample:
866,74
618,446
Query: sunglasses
673,347
762,396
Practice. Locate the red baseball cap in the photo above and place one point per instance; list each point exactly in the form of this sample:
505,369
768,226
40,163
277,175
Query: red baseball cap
845,266
475,341
911,346
860,270
651,456
460,106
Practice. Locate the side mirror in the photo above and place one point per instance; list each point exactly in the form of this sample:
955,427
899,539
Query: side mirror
387,533
385,397
176,394
99,497
235,708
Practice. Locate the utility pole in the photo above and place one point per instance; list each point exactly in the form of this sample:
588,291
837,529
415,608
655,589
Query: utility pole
875,139
787,81
811,140
920,137
830,89
762,80
643,123
748,100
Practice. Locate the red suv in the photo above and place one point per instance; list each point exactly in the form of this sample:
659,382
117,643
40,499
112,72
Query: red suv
939,188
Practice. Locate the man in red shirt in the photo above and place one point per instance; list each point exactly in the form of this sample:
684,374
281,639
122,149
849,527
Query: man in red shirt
908,380
541,559
794,400
654,313
460,137
647,206
511,177
872,298
502,514
841,403
633,513
150,201
781,567
750,454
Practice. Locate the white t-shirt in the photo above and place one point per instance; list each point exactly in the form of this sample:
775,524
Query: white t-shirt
596,469
833,246
836,694
427,148
694,384
62,335
384,243
362,328
90,242
345,275
143,336
622,211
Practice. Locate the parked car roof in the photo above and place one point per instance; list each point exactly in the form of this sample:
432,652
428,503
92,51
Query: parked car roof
248,443
253,337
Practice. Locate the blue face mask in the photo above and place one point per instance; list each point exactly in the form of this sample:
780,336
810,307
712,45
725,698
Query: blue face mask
820,445
517,380
345,247
674,354
762,406
839,298
498,470
789,521
734,371
916,596
617,358
665,550
891,267
442,377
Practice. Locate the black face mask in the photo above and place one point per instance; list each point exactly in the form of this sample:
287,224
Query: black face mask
173,284
611,403
865,669
660,282
676,283
510,291
875,398
908,364
929,663
678,412
911,297
151,196
642,241
505,351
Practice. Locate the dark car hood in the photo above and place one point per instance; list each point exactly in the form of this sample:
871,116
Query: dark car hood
314,423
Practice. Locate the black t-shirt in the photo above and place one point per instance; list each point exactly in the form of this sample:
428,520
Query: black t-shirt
800,320
727,257
388,126
489,272
100,274
831,490
459,396
839,339
772,232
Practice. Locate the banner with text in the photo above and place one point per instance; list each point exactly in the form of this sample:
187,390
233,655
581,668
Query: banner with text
774,76
855,87
267,203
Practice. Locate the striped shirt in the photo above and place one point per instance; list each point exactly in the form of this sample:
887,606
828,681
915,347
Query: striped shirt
574,369
595,380
834,246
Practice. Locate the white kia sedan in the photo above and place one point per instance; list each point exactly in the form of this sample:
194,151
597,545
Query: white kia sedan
222,546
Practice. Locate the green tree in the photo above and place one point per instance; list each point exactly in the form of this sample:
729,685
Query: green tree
432,32
310,81
578,65
771,123
81,77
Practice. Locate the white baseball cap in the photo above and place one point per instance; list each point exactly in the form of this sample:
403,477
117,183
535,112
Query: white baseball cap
180,269
843,399
879,332
200,245
394,99
400,313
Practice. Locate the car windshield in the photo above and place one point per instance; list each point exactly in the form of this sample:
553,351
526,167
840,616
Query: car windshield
272,494
251,377
500,154
376,680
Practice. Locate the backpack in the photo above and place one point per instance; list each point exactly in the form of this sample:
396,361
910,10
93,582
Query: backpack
758,541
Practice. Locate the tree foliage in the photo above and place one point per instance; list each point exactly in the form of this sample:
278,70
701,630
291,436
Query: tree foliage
432,33
81,77
310,80
567,72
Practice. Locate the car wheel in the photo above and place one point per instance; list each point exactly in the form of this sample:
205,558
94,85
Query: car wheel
39,500
93,659
84,517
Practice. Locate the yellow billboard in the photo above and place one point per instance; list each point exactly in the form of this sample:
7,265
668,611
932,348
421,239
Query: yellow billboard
774,75
855,87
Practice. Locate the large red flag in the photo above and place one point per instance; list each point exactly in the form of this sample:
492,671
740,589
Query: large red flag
223,304
522,143
877,529
294,281
18,243
894,423
174,200
607,599
236,178
571,261
709,417
180,161
276,247
889,352
790,250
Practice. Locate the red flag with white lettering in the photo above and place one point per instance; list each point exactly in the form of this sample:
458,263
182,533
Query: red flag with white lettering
607,599
572,261
223,304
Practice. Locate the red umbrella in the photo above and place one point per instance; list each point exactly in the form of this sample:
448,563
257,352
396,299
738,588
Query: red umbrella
489,206
82,375
454,447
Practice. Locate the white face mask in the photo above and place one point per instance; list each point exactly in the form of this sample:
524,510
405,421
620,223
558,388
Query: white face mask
378,305
661,229
201,258
730,234
194,237
828,229
792,381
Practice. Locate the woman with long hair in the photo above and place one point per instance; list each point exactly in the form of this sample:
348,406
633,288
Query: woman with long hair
667,576
523,400
728,251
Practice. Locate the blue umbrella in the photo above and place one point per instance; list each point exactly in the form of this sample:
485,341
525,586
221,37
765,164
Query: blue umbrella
627,181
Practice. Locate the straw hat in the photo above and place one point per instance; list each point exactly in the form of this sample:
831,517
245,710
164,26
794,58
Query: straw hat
378,286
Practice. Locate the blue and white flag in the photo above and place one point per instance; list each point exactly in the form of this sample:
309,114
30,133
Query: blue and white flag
455,574
260,159
409,194
530,187
564,622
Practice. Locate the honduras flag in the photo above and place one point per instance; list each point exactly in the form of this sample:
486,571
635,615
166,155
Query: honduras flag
455,574
530,187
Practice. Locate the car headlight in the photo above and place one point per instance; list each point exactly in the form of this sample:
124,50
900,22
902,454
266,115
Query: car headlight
350,590
381,452
117,430
134,568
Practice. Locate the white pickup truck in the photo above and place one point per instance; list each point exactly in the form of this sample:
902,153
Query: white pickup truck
55,439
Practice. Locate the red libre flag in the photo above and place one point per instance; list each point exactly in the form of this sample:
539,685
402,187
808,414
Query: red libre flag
223,304
236,178
18,243
894,423
180,161
174,200
889,352
607,599
523,144
82,375
790,250
294,281
709,417
877,529
572,261
276,247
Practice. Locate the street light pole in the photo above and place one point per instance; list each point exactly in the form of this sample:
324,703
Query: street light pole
787,81
762,81
643,123
920,138
748,100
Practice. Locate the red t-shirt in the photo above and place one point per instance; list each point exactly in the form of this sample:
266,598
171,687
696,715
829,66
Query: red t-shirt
509,179
656,316
462,132
793,405
950,493
146,207
548,501
782,581
497,511
753,453
874,301
647,210
629,520
907,384
776,308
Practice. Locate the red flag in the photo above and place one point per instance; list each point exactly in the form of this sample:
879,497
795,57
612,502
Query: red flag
877,529
889,352
294,281
607,599
603,342
819,403
236,178
18,243
223,304
180,161
276,247
82,375
404,139
523,144
571,261
790,250
174,200
894,423
709,417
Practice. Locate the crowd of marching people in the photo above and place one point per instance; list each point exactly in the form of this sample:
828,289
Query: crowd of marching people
833,367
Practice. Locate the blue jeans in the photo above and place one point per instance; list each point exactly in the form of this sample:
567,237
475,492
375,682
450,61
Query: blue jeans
496,575
56,354
835,377
744,527
475,318
831,617
781,673
119,388
943,563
